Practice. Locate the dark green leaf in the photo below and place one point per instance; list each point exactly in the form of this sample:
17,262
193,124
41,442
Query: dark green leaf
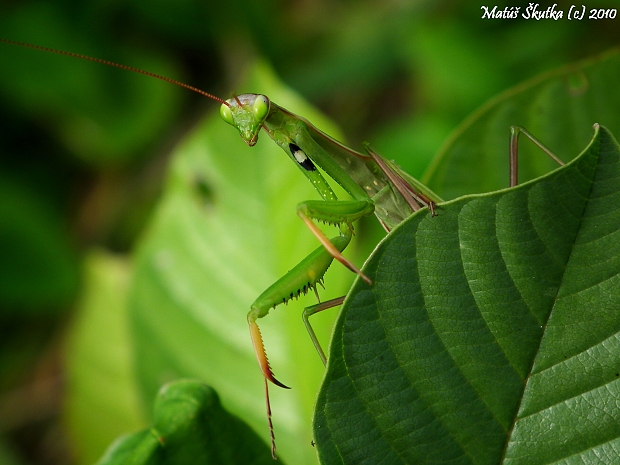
491,332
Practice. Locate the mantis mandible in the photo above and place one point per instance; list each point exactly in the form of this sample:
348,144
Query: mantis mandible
376,186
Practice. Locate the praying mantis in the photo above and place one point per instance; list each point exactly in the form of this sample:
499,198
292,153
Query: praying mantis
375,185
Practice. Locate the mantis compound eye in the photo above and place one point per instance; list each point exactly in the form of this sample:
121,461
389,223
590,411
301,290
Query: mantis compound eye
261,107
226,114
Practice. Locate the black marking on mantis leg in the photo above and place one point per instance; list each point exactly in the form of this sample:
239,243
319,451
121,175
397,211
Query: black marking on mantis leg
301,158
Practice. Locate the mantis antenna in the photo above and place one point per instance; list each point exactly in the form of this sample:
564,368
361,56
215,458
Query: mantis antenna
116,65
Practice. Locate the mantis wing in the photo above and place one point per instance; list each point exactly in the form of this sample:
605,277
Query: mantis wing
396,193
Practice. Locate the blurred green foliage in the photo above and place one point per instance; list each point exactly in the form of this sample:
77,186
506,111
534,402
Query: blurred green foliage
84,146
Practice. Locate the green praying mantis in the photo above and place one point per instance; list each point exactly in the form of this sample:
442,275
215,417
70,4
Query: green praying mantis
376,186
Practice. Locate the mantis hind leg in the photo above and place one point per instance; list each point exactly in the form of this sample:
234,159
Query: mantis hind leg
308,312
514,152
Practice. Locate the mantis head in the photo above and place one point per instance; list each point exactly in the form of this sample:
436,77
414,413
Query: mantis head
247,113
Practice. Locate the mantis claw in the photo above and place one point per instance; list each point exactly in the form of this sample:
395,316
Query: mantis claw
261,355
273,436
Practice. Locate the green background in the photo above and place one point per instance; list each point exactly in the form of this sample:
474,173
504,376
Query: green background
85,158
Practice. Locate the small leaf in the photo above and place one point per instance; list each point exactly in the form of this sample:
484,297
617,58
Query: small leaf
491,333
190,426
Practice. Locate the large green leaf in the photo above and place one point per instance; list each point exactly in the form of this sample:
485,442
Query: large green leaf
189,427
102,399
226,229
491,333
558,107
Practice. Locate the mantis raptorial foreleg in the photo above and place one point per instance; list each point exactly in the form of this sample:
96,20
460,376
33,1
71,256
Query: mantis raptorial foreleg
303,277
309,272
